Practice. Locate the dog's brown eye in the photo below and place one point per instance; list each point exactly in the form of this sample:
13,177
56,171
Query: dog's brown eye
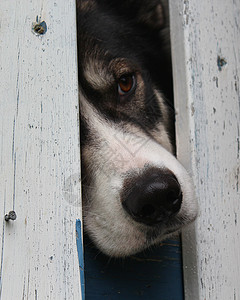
126,84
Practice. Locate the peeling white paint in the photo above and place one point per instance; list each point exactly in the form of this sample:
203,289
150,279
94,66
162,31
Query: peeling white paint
39,151
206,59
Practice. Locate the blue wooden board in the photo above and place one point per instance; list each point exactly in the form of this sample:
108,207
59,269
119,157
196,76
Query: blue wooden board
80,255
154,274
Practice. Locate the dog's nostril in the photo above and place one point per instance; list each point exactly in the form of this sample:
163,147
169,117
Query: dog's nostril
154,198
147,211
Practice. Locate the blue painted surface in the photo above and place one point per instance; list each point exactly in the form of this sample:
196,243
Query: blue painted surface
80,255
152,275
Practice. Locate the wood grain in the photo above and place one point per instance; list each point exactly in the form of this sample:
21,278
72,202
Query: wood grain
39,151
206,59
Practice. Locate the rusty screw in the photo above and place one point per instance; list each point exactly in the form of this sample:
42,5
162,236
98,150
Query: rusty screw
39,27
11,216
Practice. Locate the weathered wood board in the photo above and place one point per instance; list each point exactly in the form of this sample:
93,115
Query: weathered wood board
39,151
155,274
206,65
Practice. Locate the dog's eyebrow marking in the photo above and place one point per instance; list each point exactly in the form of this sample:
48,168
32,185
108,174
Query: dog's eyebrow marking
122,66
97,74
101,75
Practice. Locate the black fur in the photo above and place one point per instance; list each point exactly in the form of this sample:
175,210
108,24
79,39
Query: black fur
114,26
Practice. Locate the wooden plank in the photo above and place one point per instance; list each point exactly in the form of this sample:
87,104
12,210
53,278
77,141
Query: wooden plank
39,151
79,232
206,60
154,274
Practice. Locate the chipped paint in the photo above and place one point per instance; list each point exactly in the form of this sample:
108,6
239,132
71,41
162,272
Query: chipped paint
206,76
39,149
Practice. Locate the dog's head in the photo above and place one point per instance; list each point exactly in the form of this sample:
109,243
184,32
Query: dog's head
135,192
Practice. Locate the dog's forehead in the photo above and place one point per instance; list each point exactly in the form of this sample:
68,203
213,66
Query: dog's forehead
98,47
101,26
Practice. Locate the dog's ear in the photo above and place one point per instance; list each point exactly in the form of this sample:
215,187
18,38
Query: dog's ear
151,13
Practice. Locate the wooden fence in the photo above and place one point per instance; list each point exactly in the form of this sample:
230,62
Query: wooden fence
40,149
206,64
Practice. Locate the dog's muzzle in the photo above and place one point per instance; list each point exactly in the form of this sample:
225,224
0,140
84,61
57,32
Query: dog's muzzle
154,197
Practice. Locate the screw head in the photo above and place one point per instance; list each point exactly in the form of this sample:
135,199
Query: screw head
39,28
11,216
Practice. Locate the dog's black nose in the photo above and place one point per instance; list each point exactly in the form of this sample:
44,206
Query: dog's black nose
153,198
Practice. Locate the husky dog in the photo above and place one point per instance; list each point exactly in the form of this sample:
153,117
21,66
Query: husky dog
135,192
